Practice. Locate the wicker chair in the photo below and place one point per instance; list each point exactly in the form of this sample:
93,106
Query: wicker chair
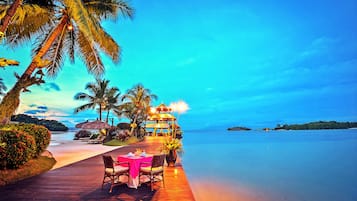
113,171
155,170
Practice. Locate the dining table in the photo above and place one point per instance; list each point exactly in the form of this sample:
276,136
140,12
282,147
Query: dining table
134,163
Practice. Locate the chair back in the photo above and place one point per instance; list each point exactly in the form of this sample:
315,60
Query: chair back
108,161
158,160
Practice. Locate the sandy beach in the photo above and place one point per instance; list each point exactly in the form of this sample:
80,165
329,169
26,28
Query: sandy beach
68,152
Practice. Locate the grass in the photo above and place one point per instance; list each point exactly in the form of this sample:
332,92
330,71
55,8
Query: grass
116,142
31,168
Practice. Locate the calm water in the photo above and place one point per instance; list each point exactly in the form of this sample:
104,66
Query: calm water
318,165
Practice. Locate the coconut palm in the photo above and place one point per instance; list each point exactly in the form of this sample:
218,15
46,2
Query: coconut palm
20,19
136,105
75,28
99,95
112,97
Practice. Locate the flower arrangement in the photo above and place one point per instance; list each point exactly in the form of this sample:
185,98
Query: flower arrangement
172,144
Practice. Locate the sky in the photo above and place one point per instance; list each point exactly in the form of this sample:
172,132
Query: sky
235,63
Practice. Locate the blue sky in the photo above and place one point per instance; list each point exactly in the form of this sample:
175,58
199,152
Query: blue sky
234,62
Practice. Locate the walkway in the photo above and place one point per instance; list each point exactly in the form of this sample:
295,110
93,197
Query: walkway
82,181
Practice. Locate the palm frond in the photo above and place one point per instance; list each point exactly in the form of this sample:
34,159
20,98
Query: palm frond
71,44
107,44
84,107
56,54
81,17
83,96
27,21
109,9
90,55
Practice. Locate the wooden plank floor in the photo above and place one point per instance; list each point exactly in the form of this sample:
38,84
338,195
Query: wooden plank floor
82,181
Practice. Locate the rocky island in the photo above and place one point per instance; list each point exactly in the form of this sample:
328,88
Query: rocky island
238,128
318,125
51,125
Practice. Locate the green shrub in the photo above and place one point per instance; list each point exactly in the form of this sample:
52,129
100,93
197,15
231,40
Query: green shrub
17,148
40,133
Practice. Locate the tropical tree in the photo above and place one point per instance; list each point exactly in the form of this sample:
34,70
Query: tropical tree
100,95
136,105
76,27
113,98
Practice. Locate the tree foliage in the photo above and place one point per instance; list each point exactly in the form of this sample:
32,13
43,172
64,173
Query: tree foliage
51,125
319,125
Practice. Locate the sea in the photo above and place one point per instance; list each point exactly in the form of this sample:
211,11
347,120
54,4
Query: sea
305,165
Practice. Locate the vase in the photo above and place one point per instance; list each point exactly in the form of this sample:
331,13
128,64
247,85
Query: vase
171,158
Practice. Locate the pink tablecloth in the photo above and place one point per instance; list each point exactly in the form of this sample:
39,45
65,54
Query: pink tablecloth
134,162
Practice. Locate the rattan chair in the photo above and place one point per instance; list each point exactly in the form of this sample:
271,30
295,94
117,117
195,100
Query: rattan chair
113,171
155,170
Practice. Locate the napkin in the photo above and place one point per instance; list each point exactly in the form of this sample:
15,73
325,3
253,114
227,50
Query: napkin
130,154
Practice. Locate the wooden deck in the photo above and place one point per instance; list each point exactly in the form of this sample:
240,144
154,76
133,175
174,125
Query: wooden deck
82,181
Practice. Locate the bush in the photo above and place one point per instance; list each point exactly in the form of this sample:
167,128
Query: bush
40,133
123,135
17,148
82,134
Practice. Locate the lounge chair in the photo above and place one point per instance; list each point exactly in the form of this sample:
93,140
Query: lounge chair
97,140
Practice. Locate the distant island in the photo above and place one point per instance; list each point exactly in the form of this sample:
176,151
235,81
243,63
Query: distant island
51,125
318,125
239,128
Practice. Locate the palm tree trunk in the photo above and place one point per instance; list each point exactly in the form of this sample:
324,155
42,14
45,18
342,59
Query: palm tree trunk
107,119
45,47
134,122
9,13
100,112
11,101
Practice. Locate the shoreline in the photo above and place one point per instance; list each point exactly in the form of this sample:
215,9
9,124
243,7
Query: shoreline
68,152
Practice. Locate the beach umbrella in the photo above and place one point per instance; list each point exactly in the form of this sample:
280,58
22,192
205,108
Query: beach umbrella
94,125
79,125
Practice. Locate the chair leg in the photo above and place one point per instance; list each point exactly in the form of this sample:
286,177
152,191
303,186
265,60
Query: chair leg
152,182
112,184
163,180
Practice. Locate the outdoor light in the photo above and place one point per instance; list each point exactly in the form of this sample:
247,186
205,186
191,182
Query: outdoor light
152,110
70,27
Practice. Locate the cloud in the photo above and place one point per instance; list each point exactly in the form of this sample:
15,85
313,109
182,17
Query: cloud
319,46
33,111
51,86
187,61
42,107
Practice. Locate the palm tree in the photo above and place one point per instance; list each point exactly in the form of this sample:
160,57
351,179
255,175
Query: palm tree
100,95
74,28
113,97
137,105
95,98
